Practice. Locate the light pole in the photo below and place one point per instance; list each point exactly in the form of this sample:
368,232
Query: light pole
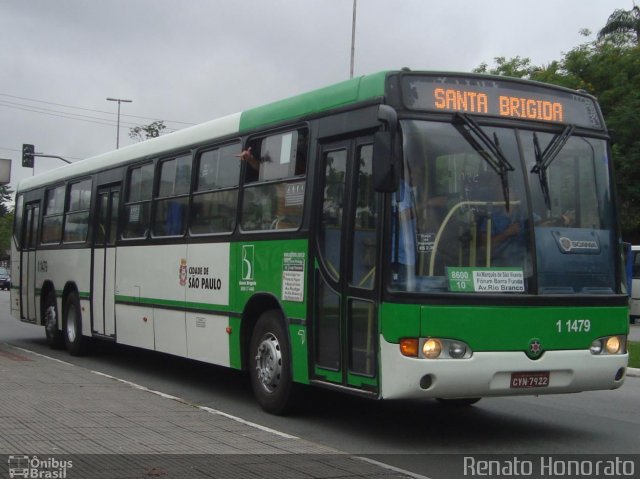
119,100
353,38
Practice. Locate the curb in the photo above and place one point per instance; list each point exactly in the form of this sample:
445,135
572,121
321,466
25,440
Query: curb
633,372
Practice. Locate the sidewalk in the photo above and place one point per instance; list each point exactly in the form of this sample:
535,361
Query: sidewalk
109,428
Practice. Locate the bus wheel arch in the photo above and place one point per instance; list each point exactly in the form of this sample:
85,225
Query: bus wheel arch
50,316
253,310
76,343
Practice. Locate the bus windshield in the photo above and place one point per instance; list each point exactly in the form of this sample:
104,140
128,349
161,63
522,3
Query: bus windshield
518,212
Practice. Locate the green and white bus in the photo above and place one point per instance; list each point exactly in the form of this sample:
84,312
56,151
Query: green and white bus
399,235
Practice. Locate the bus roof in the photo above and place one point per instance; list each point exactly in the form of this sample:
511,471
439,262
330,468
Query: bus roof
324,99
361,89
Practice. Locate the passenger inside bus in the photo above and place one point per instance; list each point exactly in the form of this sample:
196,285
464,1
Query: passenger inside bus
274,199
507,242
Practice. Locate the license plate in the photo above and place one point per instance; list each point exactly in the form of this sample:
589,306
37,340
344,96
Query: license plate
538,379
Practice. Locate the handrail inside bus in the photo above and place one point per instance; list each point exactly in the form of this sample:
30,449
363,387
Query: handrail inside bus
448,217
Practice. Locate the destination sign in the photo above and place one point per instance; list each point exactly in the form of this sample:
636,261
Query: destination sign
500,98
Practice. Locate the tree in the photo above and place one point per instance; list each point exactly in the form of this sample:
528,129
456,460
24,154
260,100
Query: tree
145,132
622,26
6,197
515,67
6,231
609,70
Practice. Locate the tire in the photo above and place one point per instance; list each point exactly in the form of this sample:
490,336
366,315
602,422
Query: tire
77,345
55,339
461,402
270,365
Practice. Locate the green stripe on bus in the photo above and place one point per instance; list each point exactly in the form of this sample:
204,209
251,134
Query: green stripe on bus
170,303
335,96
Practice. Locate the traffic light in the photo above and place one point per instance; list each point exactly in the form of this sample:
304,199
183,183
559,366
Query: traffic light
27,155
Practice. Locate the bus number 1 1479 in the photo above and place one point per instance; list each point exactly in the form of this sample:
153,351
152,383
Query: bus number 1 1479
574,326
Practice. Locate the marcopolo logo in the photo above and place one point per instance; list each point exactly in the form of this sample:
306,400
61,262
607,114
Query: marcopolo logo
36,468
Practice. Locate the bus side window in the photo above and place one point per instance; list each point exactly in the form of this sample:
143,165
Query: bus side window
53,213
138,202
215,196
172,200
275,199
76,225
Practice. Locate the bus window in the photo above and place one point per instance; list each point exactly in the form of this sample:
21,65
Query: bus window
53,212
137,206
364,233
331,227
76,223
215,196
172,200
276,200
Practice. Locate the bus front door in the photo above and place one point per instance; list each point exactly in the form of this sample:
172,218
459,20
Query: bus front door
345,330
28,264
104,262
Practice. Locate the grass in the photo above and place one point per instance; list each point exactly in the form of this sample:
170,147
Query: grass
634,354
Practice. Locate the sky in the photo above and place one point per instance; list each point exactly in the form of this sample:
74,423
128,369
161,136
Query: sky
190,61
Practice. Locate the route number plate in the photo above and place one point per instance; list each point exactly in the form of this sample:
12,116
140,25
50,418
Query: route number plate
538,379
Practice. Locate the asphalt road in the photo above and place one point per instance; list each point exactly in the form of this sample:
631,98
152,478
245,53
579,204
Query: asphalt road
404,434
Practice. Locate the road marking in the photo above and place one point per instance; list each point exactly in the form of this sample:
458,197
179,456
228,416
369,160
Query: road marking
41,355
169,396
391,468
220,413
202,408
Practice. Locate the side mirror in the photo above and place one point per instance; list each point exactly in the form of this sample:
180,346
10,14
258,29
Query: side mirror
385,173
386,177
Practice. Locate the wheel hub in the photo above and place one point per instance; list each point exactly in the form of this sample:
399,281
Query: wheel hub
269,363
50,319
71,324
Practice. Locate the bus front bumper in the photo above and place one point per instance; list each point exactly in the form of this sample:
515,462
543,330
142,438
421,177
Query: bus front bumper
490,373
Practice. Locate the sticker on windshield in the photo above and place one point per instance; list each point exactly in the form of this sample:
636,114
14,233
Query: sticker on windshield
486,280
426,242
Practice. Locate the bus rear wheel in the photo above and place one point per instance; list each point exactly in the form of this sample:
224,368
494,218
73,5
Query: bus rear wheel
270,364
55,338
72,326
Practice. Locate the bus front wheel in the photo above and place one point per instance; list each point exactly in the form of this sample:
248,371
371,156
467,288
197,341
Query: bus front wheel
55,339
270,364
72,326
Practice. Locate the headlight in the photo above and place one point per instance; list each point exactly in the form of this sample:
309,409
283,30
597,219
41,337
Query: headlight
609,345
457,350
596,347
613,345
434,348
431,348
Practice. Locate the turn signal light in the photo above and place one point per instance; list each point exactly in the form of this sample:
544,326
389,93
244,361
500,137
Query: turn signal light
409,347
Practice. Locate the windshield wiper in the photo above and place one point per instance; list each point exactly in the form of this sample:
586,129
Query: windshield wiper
491,152
544,158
